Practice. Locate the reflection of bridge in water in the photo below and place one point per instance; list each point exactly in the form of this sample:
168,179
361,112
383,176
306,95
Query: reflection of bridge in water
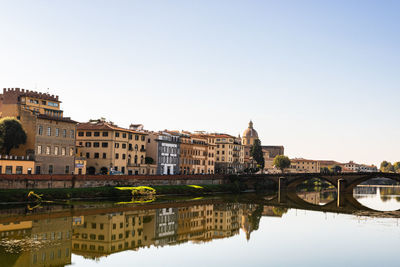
344,183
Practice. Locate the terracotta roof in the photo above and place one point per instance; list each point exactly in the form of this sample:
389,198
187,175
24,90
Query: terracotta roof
301,159
63,119
105,126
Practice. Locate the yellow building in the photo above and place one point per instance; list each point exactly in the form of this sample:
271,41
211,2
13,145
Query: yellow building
229,154
104,234
109,148
195,223
300,165
16,165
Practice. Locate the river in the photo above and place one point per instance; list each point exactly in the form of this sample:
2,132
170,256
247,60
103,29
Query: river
235,230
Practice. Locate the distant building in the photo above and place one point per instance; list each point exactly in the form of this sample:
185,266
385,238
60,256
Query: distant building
50,135
269,152
300,165
351,166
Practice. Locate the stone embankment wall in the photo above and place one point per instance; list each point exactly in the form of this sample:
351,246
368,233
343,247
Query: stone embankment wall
15,181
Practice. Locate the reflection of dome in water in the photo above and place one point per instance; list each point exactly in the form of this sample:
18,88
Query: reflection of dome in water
250,132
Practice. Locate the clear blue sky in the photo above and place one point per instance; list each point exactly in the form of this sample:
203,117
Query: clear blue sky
319,77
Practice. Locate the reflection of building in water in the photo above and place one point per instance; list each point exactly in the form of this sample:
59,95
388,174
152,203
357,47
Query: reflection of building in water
311,197
195,223
166,226
226,220
42,242
247,218
271,211
108,233
365,190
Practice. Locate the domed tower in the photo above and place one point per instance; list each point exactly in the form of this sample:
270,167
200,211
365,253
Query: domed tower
249,135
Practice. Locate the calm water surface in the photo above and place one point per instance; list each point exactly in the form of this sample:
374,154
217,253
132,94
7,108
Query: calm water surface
246,230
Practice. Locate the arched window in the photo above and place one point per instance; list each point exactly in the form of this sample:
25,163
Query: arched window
136,158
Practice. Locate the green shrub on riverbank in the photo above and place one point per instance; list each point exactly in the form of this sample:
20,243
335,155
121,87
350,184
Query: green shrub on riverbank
21,195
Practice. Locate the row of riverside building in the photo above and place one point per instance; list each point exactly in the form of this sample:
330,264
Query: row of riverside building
59,145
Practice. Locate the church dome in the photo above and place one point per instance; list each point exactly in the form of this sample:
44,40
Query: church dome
250,132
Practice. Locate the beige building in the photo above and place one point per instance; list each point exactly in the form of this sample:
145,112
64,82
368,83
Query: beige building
300,165
16,165
112,149
50,135
105,234
229,156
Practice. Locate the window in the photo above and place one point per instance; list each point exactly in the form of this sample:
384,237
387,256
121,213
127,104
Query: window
57,131
40,130
116,145
37,170
48,131
136,137
104,144
96,134
56,150
124,135
116,156
116,134
123,156
72,134
39,150
88,155
52,104
71,151
50,169
80,133
67,169
96,144
130,137
63,151
104,155
100,237
123,145
64,133
105,134
96,155
143,138
8,169
88,133
48,149
88,144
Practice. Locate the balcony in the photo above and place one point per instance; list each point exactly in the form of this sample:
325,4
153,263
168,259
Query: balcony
142,150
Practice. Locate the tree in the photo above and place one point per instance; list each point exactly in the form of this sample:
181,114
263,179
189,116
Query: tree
396,166
336,169
281,162
257,154
386,167
11,134
148,160
325,170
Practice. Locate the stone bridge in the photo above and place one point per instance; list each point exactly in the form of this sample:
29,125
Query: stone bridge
345,183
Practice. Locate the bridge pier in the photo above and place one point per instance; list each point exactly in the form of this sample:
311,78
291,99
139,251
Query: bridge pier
341,189
282,190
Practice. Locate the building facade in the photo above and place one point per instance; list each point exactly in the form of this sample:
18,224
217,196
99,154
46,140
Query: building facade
111,149
229,157
300,165
164,149
50,135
